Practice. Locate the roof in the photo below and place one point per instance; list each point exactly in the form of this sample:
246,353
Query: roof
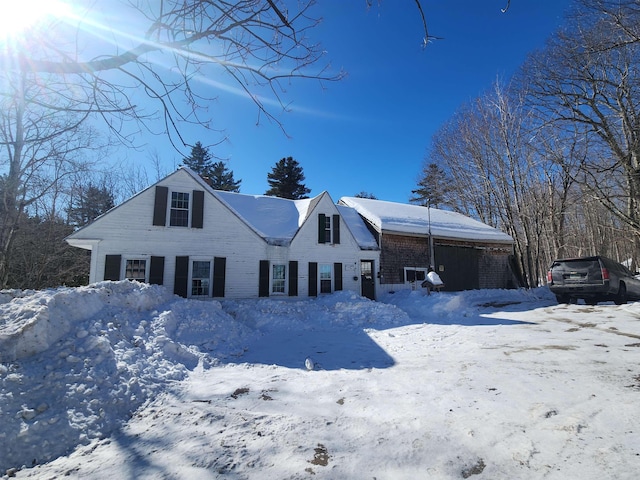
417,220
277,220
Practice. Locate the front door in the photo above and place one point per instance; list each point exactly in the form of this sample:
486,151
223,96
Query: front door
367,280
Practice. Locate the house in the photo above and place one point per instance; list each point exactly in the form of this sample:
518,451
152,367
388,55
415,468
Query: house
204,243
466,253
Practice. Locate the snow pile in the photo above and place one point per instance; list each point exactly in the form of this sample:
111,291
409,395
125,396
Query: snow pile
77,362
128,381
341,309
462,308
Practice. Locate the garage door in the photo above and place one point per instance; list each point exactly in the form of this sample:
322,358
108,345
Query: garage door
461,271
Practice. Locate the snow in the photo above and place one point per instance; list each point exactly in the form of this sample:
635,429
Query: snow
275,219
403,218
126,380
358,228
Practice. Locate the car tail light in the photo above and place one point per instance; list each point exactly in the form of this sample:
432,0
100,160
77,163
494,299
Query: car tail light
549,277
605,274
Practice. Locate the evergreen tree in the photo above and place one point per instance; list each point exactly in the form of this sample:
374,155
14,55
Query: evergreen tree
199,161
432,188
89,204
364,194
286,180
221,178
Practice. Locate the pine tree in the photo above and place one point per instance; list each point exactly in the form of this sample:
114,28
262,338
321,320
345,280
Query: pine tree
199,161
89,204
286,180
221,178
432,188
364,194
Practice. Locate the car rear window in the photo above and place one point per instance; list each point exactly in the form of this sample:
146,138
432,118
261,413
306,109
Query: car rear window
578,264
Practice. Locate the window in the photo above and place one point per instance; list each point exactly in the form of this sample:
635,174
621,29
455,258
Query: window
325,278
278,279
414,274
136,270
200,278
179,214
327,229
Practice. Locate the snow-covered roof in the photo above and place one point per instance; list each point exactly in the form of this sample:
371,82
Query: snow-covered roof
275,219
358,228
417,220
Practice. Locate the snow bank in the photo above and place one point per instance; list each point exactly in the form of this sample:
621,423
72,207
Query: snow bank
76,362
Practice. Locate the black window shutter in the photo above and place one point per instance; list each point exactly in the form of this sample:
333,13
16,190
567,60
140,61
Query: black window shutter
313,279
336,229
337,274
293,278
112,267
181,276
156,271
160,206
321,228
219,276
263,285
197,214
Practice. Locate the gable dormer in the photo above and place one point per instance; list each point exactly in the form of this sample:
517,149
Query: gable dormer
178,208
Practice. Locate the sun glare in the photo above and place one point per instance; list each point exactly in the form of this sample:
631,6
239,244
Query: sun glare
18,15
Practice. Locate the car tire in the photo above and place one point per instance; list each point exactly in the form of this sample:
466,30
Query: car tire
591,301
621,297
562,298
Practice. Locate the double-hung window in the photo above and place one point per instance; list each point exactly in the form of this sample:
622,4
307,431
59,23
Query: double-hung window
200,278
327,229
325,278
179,214
136,269
278,279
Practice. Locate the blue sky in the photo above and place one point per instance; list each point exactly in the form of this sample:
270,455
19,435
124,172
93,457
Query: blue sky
371,130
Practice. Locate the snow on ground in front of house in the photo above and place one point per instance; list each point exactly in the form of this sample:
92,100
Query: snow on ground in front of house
126,380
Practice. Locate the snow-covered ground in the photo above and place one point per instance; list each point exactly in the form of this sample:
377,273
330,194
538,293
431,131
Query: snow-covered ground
123,380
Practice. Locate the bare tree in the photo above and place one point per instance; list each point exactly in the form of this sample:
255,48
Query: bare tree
587,81
63,73
167,50
41,148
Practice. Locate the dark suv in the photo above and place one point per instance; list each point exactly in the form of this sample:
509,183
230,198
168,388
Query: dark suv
594,279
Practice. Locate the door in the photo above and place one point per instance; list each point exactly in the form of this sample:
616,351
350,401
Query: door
459,267
367,280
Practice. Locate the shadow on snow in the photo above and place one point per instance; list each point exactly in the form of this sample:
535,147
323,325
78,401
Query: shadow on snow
333,336
331,349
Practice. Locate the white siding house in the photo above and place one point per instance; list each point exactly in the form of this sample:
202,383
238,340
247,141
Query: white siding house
205,243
